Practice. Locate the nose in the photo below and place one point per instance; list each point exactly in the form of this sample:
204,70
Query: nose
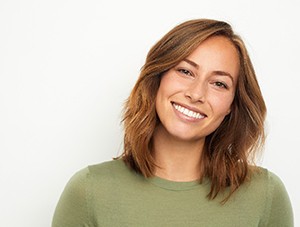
196,91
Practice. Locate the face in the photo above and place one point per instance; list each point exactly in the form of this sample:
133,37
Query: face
196,95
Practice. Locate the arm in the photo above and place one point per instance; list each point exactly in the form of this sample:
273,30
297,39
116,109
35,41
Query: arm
73,209
279,208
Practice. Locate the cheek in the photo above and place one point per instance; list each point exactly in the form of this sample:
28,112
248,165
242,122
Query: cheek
161,96
221,104
169,85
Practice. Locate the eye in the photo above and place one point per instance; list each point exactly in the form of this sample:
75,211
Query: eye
185,72
220,84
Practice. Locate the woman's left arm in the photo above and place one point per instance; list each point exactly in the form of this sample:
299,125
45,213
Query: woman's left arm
279,210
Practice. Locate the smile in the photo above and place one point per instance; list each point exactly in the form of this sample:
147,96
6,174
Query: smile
188,112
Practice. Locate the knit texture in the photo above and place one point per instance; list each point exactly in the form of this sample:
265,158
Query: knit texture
110,194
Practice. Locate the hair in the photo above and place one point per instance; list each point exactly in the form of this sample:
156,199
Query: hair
226,157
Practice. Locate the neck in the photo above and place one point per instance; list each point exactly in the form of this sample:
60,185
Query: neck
177,160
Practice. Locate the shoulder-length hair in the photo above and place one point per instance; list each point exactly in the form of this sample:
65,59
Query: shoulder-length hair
227,153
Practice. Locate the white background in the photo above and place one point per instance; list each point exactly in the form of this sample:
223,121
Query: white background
67,66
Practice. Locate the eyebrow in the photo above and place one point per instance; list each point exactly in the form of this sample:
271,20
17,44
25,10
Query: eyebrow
191,63
217,72
222,73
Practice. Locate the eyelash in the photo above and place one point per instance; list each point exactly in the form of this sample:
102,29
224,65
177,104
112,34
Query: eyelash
185,72
189,73
221,84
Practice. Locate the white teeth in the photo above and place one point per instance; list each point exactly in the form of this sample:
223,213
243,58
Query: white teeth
188,112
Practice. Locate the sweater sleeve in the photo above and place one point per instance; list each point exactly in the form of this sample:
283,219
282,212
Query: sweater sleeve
279,208
72,209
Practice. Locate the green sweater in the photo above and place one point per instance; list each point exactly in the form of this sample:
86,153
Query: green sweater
110,194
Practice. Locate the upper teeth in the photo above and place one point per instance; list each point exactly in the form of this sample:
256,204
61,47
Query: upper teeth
188,112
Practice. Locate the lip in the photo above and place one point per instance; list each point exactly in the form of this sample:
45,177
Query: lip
186,118
194,109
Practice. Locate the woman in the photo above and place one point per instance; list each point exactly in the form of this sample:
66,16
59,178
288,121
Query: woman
193,123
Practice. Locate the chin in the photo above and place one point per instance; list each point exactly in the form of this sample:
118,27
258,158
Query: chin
187,137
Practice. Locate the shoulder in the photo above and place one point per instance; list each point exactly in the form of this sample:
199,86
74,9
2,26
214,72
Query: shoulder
99,178
265,179
104,170
267,186
259,188
105,173
108,167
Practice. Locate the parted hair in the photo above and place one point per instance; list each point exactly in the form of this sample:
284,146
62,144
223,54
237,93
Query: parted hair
227,158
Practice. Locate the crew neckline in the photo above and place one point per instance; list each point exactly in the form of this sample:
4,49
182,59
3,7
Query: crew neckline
174,185
168,184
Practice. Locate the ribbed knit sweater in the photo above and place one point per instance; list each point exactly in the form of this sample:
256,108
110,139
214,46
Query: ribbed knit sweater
110,194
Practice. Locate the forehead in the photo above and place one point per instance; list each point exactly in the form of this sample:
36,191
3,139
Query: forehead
217,53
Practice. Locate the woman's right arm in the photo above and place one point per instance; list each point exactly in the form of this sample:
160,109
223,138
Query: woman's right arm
73,208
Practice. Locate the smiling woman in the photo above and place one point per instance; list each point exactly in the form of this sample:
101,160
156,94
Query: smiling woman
193,122
202,85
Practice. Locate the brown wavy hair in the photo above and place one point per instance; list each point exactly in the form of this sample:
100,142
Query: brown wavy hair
226,158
